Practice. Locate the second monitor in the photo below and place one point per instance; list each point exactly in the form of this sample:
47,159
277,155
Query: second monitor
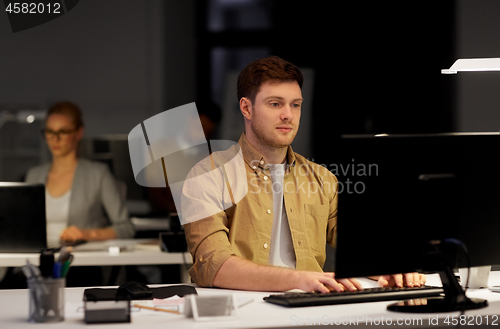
401,197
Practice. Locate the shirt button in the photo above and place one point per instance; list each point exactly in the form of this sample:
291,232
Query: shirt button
265,177
254,167
261,162
300,243
268,211
265,245
291,209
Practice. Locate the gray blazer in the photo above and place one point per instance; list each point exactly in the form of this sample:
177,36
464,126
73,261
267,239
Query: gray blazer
94,194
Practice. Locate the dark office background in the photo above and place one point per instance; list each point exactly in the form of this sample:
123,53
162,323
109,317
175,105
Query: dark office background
373,67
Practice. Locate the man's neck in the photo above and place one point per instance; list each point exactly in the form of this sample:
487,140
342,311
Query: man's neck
273,155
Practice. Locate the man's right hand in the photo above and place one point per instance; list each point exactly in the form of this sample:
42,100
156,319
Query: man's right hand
239,273
323,282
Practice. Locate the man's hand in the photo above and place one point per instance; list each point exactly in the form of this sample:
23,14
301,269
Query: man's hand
239,273
402,280
324,282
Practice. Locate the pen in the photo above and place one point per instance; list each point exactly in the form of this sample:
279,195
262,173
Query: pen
65,266
56,272
156,309
245,303
65,254
31,271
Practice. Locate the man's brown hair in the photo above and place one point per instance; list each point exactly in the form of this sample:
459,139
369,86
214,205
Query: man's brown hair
272,68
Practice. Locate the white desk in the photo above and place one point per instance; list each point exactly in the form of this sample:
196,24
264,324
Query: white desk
139,252
258,314
135,252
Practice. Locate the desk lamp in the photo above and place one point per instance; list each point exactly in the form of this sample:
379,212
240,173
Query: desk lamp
473,64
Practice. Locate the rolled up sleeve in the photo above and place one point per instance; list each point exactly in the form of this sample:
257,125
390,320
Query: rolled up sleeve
209,245
205,222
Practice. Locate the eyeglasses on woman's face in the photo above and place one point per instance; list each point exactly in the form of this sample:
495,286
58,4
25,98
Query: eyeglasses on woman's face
60,134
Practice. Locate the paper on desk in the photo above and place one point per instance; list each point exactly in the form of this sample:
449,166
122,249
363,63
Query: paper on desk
174,303
174,300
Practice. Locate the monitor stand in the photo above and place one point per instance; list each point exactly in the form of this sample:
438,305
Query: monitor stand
454,298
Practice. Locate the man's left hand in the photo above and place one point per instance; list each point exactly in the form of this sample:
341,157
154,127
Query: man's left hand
402,280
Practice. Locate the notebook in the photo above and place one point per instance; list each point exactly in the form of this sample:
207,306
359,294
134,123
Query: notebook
22,217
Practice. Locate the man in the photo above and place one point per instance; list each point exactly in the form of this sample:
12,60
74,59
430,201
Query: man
274,238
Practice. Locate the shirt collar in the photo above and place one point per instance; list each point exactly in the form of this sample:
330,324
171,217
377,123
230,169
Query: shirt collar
254,159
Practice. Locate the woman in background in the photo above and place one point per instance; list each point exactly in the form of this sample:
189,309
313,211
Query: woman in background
83,200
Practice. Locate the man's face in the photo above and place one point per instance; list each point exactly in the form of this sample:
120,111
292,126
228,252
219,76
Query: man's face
276,113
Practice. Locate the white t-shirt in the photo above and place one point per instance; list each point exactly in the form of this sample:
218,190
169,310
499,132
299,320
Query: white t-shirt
281,252
57,210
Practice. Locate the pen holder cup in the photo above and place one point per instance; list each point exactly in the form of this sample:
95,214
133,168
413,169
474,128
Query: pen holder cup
46,299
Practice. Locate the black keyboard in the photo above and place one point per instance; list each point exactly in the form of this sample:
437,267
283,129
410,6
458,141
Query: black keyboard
359,296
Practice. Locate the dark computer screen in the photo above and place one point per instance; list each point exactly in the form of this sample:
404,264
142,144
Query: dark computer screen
397,193
22,217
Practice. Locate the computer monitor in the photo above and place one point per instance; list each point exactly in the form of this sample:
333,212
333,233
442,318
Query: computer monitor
22,217
403,197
